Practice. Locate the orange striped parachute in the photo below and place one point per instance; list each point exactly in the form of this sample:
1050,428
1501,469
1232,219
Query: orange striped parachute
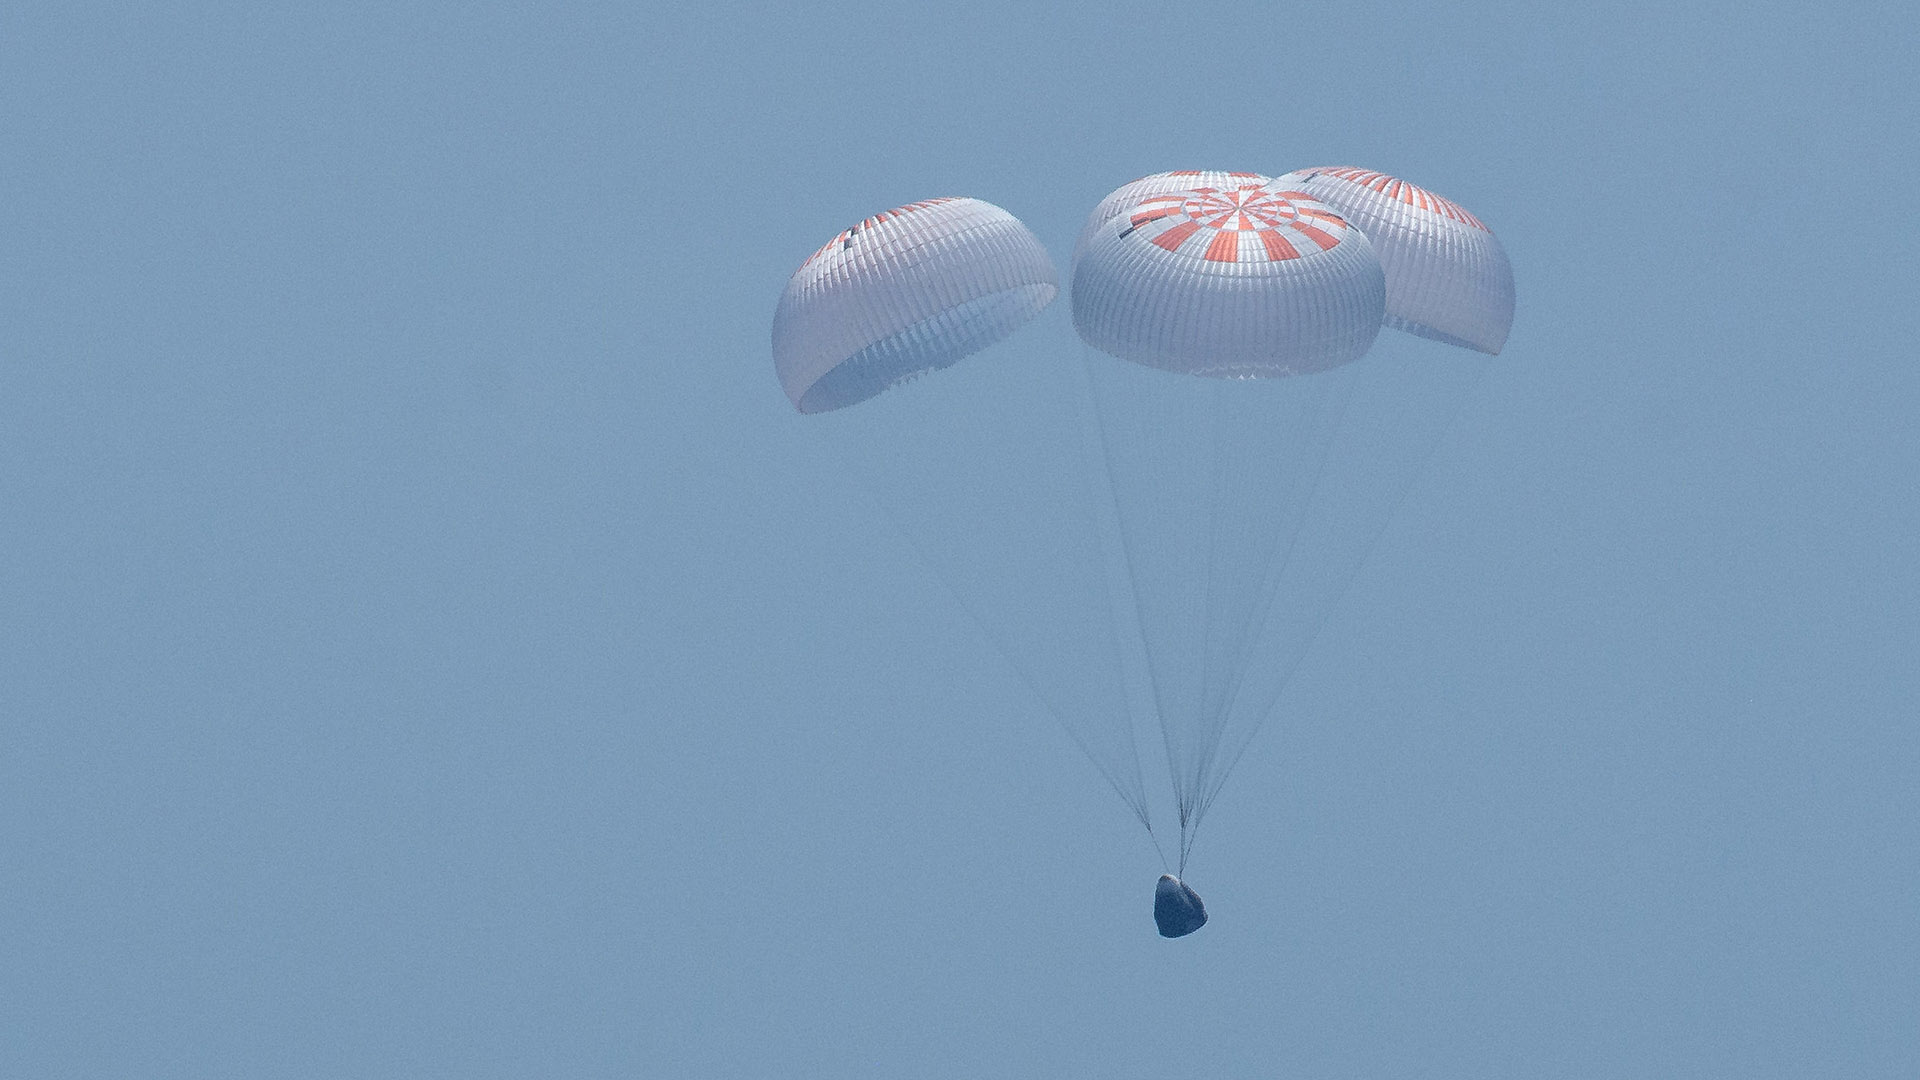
1447,275
1229,443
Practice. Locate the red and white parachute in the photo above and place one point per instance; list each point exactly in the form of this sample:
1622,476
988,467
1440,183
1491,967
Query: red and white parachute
1447,275
1131,194
1253,451
1248,280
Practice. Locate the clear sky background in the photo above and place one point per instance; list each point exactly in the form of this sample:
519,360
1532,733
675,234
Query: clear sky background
430,645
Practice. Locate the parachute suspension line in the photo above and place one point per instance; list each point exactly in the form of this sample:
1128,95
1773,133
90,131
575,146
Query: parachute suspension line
1212,397
1241,524
1217,505
1212,786
1306,422
1128,558
1186,845
1261,614
1482,365
1187,837
1135,800
1112,624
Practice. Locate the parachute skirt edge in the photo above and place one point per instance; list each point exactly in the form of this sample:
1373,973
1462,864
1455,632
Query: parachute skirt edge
907,291
929,345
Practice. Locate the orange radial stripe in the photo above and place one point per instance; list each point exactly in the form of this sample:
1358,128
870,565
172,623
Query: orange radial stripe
1326,240
1225,247
1155,214
1174,237
1323,215
1277,246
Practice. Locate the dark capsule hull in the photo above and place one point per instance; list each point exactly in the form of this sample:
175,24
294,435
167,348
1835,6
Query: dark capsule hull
1177,909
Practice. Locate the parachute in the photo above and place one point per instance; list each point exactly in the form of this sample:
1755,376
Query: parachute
1248,282
907,291
1448,278
1155,536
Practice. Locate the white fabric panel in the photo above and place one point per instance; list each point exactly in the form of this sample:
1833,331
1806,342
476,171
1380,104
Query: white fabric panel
905,292
1128,195
1177,282
1448,278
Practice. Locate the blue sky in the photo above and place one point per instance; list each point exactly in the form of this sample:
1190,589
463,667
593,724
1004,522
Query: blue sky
430,645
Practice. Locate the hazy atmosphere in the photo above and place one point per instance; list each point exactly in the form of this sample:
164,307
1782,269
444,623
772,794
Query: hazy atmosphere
431,644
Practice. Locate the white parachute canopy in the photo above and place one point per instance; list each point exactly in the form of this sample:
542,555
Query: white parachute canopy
1447,275
907,291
